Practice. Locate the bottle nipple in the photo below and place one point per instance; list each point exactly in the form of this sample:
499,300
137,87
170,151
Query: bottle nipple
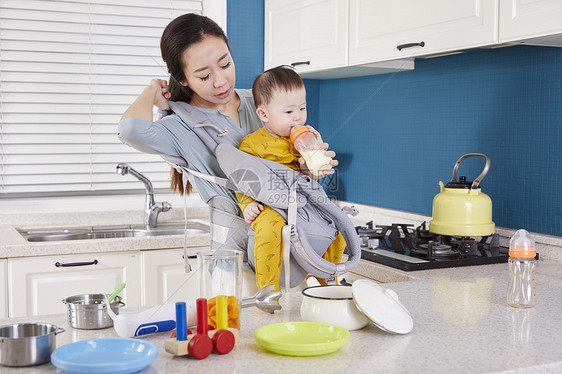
522,245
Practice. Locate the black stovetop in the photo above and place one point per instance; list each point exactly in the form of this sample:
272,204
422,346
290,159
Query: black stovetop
404,247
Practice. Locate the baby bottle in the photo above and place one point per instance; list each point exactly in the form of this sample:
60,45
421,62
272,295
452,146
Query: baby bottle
521,287
311,150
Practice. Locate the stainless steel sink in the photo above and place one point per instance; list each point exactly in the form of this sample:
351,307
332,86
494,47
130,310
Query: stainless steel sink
111,232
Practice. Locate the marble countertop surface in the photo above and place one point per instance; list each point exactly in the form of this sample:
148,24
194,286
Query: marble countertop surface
116,210
462,324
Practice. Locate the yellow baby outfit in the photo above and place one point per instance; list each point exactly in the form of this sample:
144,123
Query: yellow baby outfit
268,252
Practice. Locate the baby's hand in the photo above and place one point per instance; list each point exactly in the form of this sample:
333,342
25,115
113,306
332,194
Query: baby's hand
251,211
324,173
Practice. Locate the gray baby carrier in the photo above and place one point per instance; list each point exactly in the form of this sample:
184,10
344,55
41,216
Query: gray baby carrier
313,221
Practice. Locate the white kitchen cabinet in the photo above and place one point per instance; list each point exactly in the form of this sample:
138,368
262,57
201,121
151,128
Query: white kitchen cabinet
3,289
537,22
166,281
37,285
347,38
387,30
311,34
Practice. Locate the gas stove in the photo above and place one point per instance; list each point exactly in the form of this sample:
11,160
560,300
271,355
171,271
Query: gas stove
405,247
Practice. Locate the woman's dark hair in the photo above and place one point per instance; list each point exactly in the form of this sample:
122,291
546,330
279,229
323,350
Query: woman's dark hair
282,77
179,35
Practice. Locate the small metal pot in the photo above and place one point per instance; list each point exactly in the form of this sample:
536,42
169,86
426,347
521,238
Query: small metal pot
88,313
26,344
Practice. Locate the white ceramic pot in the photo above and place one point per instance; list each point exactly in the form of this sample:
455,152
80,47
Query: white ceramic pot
334,305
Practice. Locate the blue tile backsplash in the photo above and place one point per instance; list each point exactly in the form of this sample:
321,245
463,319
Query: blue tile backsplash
397,135
245,30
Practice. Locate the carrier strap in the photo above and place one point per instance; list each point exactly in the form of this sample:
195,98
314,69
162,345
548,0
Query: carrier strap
287,234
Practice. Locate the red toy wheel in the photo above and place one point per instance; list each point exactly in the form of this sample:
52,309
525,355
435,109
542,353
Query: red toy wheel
224,341
200,346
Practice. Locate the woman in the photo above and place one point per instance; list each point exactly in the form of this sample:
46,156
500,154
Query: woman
202,74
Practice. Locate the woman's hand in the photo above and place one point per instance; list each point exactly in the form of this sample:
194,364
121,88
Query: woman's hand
161,93
327,153
156,93
252,211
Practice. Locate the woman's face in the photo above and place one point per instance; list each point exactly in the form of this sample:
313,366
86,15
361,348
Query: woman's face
209,72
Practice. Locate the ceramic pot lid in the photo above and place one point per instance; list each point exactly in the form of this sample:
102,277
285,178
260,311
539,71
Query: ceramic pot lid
382,306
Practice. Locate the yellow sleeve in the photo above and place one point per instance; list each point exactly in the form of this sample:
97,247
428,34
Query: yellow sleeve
247,145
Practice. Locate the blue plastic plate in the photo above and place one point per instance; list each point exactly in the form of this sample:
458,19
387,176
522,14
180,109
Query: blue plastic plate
112,355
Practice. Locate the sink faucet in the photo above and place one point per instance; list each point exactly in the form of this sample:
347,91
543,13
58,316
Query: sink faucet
151,209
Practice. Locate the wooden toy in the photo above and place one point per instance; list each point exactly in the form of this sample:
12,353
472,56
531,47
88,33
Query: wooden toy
197,345
201,344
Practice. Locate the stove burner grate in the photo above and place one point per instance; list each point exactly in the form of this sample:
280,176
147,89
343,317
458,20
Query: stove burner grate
436,250
403,247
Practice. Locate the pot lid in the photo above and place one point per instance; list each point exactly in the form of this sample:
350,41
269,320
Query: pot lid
382,306
461,183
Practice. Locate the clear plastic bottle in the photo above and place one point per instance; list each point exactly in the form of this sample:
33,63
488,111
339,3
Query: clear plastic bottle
521,291
311,150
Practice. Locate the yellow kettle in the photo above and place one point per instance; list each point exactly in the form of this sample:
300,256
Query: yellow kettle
461,208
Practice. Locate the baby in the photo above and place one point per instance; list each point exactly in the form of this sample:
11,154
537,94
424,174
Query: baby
280,99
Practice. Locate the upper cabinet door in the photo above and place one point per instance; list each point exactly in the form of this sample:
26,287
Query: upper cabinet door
386,30
528,19
311,32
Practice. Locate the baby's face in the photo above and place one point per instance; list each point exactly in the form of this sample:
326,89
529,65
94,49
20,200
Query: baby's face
285,111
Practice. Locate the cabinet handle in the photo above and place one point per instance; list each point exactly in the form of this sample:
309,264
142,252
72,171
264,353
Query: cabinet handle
409,45
300,63
58,264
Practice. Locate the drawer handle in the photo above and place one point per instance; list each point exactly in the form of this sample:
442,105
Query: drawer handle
409,45
300,63
58,264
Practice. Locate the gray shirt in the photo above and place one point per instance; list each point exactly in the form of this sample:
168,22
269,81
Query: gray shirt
170,136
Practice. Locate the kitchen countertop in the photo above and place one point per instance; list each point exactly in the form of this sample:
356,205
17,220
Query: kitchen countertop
462,324
461,321
119,210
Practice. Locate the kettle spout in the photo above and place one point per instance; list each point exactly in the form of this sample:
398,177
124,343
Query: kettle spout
441,186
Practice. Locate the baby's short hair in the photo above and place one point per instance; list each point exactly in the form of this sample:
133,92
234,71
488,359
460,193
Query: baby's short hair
278,78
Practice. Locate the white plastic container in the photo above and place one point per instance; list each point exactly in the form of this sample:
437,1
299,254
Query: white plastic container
521,292
156,319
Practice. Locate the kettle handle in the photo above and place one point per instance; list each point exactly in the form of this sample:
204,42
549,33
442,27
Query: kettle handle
481,176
